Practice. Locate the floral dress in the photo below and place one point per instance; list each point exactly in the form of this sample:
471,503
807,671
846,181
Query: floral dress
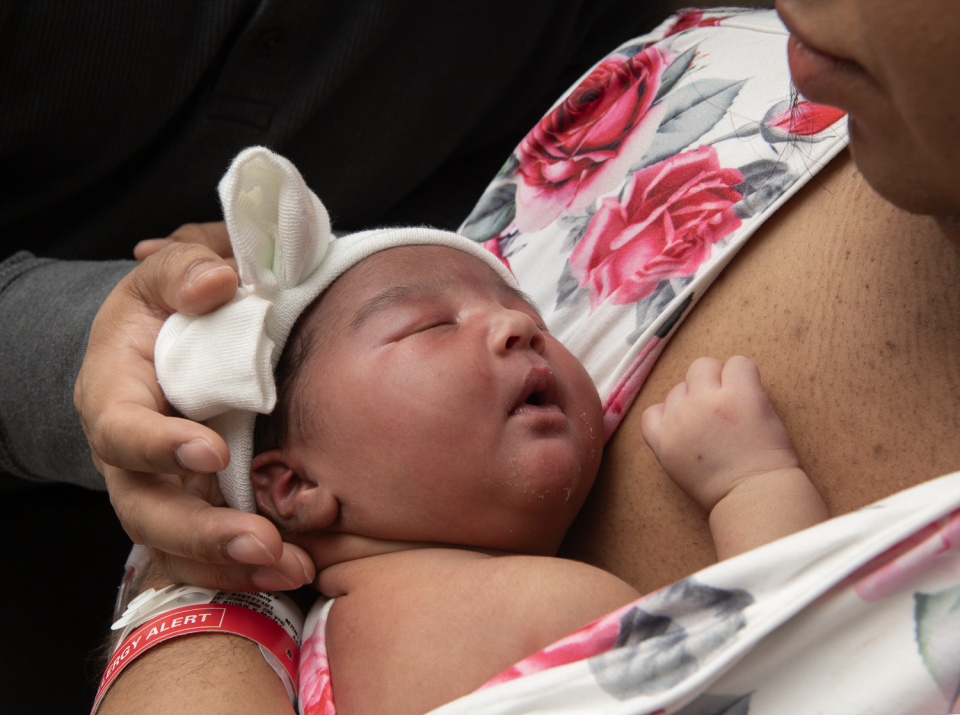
616,213
618,210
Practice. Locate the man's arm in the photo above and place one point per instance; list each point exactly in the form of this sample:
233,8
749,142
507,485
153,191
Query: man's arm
46,311
46,308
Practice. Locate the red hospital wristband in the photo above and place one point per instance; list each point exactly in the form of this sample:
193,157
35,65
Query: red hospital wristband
205,618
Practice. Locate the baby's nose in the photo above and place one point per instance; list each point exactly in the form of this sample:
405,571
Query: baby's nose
516,330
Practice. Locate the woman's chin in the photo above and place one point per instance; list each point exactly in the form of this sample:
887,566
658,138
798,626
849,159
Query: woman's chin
898,172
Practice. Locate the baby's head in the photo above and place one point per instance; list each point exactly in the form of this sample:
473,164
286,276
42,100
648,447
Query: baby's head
420,398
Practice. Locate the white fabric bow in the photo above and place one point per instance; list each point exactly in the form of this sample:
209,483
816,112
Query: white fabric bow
219,367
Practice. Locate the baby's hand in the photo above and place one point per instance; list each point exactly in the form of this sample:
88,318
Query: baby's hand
717,429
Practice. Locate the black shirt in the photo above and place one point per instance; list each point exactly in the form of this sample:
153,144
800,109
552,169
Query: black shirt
118,118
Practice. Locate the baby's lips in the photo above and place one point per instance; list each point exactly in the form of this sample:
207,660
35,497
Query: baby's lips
539,387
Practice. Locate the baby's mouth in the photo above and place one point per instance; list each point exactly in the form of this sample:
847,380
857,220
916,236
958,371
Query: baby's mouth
538,394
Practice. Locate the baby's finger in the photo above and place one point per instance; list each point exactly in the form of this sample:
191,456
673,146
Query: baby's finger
651,423
292,570
703,376
155,511
677,395
741,373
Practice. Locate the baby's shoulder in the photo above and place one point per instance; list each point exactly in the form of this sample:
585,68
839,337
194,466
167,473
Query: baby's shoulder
442,622
541,593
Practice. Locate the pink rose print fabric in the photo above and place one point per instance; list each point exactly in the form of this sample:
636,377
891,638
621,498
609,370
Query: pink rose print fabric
593,639
624,202
691,18
803,119
583,147
316,690
670,216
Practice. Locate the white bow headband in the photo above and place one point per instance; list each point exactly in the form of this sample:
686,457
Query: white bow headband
218,368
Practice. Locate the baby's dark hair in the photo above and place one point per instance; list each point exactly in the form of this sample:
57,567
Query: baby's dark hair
270,431
307,335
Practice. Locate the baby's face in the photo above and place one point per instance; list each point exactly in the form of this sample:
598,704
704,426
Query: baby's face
437,408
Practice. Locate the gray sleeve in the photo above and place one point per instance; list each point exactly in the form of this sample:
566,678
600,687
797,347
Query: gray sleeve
46,309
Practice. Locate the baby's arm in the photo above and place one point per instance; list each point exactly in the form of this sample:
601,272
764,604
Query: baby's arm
718,437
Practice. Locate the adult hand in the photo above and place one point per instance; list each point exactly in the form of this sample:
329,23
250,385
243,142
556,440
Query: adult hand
158,467
213,235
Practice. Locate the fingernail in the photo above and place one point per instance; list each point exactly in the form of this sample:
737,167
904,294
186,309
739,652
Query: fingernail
161,242
195,273
198,456
309,570
269,579
247,549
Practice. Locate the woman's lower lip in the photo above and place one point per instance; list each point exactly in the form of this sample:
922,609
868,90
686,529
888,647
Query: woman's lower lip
812,70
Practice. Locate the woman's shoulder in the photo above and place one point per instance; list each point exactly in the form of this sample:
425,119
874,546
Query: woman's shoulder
430,625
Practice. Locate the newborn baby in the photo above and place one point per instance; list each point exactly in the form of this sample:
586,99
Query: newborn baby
431,444
430,405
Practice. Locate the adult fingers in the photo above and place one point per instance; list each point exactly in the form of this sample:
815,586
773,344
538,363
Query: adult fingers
194,541
139,439
117,395
188,278
178,517
292,570
704,375
213,235
148,246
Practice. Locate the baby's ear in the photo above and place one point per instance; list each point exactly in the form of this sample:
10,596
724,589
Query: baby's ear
295,503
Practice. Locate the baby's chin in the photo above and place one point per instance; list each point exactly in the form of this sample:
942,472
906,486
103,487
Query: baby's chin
538,535
563,493
551,477
539,516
